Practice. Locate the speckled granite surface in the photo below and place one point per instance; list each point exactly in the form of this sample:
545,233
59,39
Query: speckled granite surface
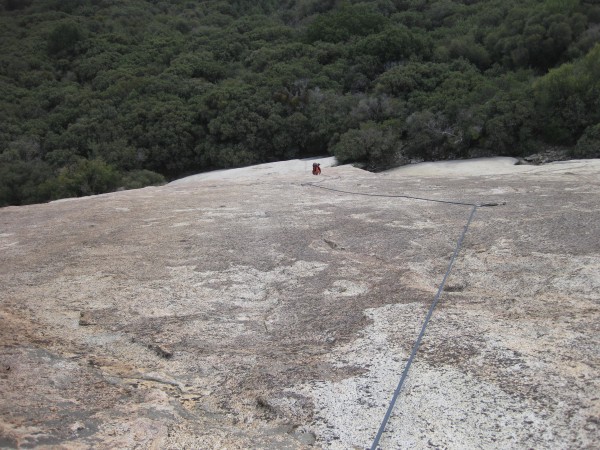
260,313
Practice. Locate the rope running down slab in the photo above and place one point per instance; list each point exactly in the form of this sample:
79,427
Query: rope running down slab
366,194
417,344
436,299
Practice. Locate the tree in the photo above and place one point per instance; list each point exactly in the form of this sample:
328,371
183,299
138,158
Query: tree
431,136
86,177
342,23
588,145
377,145
141,178
393,45
569,98
64,39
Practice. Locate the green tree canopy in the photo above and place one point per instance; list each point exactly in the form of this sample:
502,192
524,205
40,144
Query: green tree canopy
102,95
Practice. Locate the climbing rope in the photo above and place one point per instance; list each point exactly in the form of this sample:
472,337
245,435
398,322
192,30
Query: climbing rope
367,194
417,344
436,299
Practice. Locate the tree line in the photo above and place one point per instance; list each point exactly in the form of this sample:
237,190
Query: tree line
97,95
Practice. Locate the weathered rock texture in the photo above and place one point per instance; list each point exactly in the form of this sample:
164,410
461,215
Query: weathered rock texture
260,313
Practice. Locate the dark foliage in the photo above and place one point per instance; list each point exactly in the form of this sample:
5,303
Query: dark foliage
101,95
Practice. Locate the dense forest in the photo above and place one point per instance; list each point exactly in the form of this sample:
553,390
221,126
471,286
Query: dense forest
98,95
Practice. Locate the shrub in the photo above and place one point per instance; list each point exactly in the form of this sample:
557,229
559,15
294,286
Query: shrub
378,146
588,145
86,177
141,178
64,39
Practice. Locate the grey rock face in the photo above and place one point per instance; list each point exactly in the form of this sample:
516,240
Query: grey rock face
261,313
